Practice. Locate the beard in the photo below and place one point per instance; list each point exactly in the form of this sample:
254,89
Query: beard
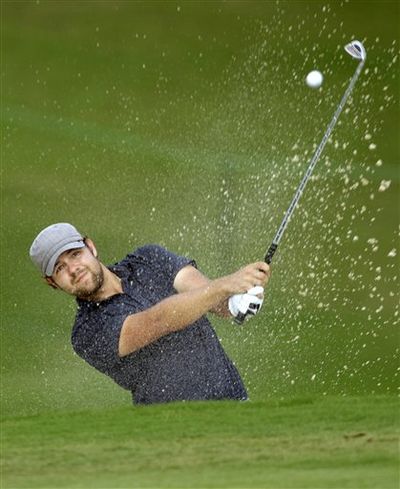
92,284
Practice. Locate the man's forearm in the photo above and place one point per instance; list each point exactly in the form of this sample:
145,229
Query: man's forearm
222,309
189,278
169,315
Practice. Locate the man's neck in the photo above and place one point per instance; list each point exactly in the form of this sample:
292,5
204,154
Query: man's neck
112,285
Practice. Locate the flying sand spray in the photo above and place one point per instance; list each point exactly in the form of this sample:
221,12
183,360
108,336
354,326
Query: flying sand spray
357,51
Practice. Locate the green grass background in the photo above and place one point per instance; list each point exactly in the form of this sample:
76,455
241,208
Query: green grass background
189,124
277,444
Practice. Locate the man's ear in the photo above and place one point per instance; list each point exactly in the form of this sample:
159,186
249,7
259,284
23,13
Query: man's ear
89,243
50,282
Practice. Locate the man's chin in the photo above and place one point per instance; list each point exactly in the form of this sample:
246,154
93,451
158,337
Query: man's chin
83,294
86,293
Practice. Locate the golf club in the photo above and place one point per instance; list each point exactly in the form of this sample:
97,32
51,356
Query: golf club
357,51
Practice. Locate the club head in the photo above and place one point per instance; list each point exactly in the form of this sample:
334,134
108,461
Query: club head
356,50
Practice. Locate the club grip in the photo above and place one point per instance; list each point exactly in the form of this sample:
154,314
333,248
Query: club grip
270,253
239,319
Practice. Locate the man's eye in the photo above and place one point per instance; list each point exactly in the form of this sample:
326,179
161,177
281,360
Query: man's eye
76,253
59,268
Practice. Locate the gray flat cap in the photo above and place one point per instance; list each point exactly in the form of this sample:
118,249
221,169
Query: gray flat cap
50,243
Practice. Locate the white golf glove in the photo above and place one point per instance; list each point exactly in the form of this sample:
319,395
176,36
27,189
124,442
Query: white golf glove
244,306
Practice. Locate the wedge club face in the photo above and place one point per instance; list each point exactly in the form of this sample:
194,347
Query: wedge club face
356,50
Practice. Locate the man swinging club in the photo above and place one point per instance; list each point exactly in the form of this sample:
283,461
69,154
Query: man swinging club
143,320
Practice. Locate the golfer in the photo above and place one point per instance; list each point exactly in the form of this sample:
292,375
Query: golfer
143,320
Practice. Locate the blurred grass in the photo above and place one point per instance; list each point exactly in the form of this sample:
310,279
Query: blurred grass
306,442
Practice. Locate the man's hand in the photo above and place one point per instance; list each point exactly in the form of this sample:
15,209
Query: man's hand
244,306
241,298
246,278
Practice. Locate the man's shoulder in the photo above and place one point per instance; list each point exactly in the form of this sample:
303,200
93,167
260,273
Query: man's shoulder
149,250
144,254
143,250
151,264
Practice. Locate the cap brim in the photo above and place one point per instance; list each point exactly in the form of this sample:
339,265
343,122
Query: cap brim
70,246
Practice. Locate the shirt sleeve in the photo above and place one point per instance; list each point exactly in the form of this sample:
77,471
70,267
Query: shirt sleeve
95,338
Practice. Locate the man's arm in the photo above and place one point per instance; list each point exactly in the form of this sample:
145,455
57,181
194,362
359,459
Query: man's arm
181,310
189,278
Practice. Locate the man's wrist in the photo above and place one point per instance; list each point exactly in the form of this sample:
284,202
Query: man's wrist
220,288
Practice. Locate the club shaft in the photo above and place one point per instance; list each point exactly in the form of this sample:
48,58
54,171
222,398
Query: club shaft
275,242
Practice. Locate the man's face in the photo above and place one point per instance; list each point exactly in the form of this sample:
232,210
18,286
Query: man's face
78,272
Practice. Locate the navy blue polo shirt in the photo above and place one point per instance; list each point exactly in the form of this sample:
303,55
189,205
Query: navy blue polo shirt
189,364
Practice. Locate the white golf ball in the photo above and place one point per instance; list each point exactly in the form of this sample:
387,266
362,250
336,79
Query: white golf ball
314,79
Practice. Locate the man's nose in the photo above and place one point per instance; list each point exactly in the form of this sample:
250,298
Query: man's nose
73,267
